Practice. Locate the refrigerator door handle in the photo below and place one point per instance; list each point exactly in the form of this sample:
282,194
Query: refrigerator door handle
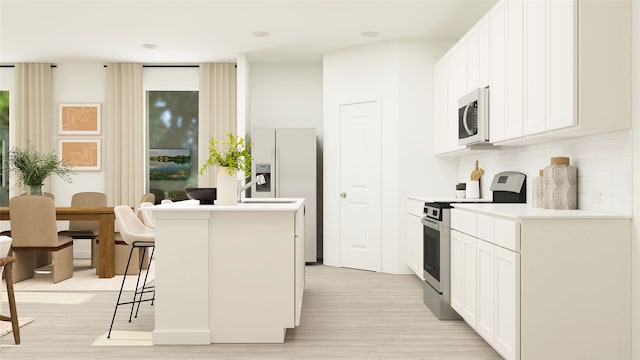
277,189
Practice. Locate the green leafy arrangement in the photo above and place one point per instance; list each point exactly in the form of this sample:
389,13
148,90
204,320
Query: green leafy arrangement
33,167
234,154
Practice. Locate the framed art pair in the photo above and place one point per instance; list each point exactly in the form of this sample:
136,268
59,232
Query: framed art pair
80,119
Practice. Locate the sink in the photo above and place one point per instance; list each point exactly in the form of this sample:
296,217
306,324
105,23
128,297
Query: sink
267,201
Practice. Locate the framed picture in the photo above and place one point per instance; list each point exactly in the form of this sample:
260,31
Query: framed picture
169,164
80,119
82,155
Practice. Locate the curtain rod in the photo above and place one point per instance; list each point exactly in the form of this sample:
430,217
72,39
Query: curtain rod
10,66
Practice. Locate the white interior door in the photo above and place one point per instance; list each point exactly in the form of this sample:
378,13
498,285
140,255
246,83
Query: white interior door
360,184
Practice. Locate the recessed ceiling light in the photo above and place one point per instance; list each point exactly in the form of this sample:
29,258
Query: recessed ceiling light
369,33
261,33
149,46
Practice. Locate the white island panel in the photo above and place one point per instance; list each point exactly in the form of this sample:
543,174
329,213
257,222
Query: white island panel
228,274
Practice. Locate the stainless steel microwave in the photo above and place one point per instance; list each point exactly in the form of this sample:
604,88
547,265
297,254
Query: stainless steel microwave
473,117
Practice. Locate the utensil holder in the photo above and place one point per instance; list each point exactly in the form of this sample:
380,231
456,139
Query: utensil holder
473,189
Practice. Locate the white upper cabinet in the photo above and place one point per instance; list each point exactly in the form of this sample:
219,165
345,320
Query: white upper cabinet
497,60
554,69
514,65
464,68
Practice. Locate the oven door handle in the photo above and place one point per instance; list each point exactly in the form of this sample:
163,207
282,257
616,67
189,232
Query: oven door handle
435,225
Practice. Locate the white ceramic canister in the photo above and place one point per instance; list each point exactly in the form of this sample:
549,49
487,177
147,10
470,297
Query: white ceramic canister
538,190
473,189
560,185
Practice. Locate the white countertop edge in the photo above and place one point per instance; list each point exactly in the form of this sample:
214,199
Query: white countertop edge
193,205
525,211
451,199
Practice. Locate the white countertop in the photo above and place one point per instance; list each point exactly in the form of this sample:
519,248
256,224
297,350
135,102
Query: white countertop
525,211
257,204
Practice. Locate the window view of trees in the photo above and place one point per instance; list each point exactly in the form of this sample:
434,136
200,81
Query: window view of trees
173,142
4,135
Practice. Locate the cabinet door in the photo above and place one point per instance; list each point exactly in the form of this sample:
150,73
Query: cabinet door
535,57
497,72
514,75
457,268
483,52
507,303
454,87
299,263
469,280
440,104
562,64
471,39
414,245
486,290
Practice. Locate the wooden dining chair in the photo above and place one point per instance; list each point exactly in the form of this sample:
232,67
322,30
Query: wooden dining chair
6,264
34,230
86,229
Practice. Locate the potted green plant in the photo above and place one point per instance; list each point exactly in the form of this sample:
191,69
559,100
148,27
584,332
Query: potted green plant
230,156
33,167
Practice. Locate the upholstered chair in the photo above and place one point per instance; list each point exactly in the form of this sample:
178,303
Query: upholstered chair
139,237
34,230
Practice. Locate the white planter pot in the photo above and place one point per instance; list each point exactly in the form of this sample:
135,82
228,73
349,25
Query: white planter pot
227,193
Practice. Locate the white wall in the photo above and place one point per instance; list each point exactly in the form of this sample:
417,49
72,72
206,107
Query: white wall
286,95
604,164
398,74
72,83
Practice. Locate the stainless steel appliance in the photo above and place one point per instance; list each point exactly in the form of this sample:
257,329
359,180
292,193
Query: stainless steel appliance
286,157
436,254
473,118
507,187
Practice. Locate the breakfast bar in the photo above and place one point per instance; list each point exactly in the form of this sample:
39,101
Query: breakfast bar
228,274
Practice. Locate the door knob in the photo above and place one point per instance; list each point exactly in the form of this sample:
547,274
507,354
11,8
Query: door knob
343,194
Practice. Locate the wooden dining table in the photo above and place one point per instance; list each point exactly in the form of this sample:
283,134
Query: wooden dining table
106,219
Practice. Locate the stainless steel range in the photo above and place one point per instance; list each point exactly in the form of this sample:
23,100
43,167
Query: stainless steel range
436,255
507,187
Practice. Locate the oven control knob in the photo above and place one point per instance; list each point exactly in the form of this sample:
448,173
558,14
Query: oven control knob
343,194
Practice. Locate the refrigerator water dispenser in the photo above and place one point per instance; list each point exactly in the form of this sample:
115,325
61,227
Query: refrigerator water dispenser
265,170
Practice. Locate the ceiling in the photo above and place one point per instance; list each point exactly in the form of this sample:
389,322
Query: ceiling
193,31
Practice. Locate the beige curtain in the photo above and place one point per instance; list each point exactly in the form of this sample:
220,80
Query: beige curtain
124,133
217,112
33,109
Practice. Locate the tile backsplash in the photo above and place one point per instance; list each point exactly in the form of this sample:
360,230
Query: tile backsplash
604,164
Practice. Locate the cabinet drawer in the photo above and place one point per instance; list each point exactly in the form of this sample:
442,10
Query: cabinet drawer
469,223
506,234
484,226
415,207
456,219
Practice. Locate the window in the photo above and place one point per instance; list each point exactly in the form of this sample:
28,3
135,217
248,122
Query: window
4,147
173,142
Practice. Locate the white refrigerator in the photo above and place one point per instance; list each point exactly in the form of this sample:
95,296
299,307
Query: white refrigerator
287,159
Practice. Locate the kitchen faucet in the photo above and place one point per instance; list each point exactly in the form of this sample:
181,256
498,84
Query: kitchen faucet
258,181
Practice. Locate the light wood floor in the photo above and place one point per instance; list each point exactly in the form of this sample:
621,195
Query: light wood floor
346,314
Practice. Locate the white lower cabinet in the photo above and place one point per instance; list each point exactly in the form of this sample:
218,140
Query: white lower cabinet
485,323
538,287
506,290
414,236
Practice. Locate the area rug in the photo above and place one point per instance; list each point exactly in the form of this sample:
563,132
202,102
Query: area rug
84,279
5,326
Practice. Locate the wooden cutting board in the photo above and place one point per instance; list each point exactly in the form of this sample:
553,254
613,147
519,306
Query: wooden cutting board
476,173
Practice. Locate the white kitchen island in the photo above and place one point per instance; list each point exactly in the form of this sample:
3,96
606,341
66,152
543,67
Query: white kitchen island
228,274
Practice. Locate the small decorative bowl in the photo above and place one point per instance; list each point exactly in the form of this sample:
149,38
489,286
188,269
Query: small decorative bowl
206,196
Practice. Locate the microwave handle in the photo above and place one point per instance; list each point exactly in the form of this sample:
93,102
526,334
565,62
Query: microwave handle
464,120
